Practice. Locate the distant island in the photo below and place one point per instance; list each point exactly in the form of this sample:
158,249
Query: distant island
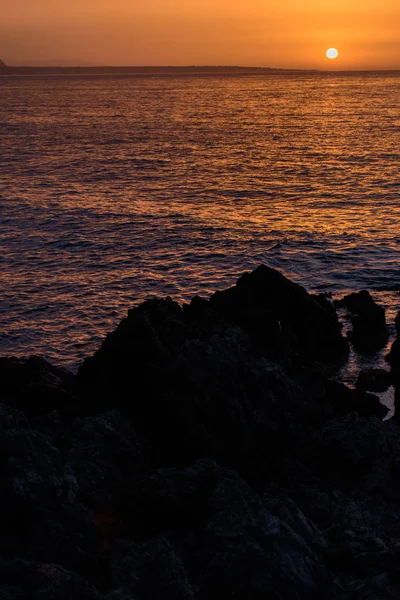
167,70
159,71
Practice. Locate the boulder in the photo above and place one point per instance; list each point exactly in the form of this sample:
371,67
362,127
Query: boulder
282,319
393,358
345,400
201,453
374,380
34,386
370,332
51,582
397,323
104,452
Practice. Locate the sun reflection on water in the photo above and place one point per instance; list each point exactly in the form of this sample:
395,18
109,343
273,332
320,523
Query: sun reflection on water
116,189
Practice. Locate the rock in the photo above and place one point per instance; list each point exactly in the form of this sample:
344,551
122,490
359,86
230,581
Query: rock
397,323
51,582
356,302
369,323
133,568
375,380
282,319
255,554
34,385
345,400
393,358
38,496
352,449
201,453
104,453
8,592
166,499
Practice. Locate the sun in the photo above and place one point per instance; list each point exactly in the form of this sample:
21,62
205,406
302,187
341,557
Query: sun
332,53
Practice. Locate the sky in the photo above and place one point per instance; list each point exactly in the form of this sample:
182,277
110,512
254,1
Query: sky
279,33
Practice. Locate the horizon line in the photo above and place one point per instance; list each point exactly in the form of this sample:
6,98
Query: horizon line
5,66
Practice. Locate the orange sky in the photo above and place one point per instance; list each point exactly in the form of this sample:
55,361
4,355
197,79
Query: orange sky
281,33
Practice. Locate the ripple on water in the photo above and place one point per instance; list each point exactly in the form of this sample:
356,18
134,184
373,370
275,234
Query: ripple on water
113,190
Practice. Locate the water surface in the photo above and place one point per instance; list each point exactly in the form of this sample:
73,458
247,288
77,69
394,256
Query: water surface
113,189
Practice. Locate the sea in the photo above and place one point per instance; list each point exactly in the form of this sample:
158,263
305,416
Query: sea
114,189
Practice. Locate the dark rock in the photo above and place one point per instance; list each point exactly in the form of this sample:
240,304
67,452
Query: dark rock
167,499
352,447
252,553
397,323
375,380
393,358
34,385
357,302
104,452
8,592
345,400
282,319
369,323
201,453
51,582
151,569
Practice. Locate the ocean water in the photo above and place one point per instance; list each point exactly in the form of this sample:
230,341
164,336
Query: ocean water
114,189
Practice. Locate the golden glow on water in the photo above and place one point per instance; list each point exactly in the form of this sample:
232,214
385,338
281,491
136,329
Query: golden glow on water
118,188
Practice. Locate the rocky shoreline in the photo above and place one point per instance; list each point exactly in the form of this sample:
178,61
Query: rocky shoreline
206,451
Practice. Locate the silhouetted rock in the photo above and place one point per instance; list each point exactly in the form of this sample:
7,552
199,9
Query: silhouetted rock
393,358
201,453
104,452
34,385
369,323
282,319
397,323
52,582
374,380
345,400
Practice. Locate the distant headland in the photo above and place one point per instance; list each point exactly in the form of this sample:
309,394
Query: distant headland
167,70
159,71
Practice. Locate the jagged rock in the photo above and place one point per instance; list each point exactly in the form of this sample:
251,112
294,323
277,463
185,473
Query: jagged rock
345,400
43,520
192,380
51,582
34,385
166,499
397,323
254,553
393,358
369,323
133,568
201,453
104,452
354,448
375,380
282,319
356,302
10,592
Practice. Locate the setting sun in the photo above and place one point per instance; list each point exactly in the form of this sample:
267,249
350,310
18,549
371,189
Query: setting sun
332,53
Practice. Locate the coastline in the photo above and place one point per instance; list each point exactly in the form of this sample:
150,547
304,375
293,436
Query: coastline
205,451
190,71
